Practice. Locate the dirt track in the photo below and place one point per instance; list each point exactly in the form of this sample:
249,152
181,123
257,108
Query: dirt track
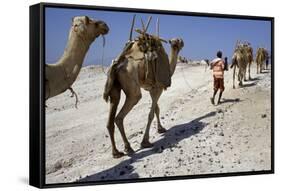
201,138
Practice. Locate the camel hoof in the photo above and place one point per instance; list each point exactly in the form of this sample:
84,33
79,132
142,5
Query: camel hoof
117,154
146,144
161,130
129,150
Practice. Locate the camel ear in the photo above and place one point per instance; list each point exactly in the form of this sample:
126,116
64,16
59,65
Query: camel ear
87,20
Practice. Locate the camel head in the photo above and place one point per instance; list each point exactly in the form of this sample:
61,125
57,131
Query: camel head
89,28
176,44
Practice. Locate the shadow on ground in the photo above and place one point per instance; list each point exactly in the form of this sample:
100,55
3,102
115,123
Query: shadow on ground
169,140
230,100
254,79
249,84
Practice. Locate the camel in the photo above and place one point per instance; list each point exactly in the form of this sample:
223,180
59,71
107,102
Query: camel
239,59
242,58
249,57
60,76
261,57
129,76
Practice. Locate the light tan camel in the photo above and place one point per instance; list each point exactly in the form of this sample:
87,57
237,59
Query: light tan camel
240,60
249,58
261,57
129,76
60,76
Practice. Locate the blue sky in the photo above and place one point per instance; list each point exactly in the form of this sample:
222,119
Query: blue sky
202,36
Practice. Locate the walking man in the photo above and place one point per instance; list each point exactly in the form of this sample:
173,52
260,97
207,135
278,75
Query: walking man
217,65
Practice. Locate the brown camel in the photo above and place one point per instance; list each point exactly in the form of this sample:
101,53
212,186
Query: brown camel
61,75
239,60
129,76
242,58
249,58
261,57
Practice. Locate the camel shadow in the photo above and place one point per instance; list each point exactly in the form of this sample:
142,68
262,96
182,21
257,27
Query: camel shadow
249,84
254,79
230,100
125,170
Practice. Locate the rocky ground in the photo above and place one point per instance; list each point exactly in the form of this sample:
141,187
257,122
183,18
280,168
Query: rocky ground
200,139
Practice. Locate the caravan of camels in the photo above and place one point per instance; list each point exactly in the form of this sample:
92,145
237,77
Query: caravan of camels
143,64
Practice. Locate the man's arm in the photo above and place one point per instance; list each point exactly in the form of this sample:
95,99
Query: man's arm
222,65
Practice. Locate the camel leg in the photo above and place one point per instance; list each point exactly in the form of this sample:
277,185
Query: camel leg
257,67
249,71
128,105
160,128
155,94
240,77
114,101
234,76
245,74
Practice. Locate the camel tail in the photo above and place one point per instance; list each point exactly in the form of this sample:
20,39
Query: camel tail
109,82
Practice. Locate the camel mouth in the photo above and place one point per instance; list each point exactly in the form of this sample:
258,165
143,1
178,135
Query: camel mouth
104,27
105,30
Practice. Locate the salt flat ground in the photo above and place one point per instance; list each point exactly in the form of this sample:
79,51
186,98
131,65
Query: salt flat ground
200,139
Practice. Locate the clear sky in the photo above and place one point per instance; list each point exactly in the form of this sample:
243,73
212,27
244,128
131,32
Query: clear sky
202,36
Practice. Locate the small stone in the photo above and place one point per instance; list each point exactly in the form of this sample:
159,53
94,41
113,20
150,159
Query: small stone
216,125
263,116
221,134
216,153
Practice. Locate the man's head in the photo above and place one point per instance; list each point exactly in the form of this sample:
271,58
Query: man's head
219,54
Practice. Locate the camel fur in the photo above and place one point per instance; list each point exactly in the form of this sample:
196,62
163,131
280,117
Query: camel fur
130,76
261,56
60,76
242,59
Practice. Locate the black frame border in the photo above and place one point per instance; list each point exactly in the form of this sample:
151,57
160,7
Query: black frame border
37,92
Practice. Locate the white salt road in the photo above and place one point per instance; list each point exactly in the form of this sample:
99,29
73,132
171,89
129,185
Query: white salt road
201,138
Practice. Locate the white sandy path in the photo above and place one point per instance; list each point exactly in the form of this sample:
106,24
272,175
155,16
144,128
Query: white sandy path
201,138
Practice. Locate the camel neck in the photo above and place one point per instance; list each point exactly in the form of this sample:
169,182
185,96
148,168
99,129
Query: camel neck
173,60
74,55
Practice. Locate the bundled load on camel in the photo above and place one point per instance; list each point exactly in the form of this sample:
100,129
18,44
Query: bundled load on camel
149,48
